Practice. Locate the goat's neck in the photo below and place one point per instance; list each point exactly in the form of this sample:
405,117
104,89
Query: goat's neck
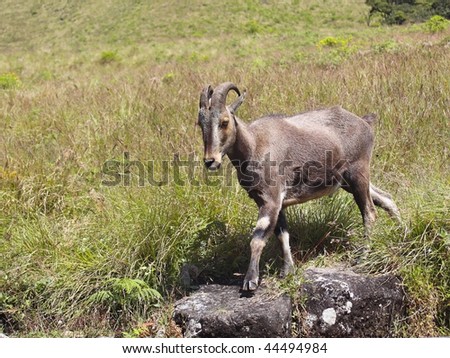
244,145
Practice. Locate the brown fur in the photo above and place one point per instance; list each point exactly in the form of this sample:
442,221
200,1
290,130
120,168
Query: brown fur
286,160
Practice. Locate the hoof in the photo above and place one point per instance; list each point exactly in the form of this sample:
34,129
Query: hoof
250,285
286,271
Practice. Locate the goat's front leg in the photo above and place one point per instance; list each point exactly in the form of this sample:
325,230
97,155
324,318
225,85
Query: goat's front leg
283,236
267,219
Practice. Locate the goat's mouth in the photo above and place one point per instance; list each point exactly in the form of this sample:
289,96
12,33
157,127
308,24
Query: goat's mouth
213,162
213,166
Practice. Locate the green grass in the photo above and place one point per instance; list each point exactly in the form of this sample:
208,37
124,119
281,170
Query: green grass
79,258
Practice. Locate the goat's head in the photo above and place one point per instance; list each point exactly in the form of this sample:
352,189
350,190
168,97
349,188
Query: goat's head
218,122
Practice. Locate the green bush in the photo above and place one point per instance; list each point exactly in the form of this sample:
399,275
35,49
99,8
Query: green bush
124,294
397,12
9,80
335,50
108,57
333,42
441,7
436,24
397,17
387,46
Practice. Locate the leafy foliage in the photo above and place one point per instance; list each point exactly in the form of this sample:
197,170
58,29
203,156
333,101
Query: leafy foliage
436,24
333,42
124,294
400,11
108,57
336,50
9,80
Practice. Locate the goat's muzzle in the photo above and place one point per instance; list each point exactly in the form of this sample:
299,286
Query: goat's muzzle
212,164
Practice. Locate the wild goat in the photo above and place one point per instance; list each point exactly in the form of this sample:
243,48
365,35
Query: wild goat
286,160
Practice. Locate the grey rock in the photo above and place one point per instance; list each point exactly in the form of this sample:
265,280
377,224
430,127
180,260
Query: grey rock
3,335
221,311
341,303
334,303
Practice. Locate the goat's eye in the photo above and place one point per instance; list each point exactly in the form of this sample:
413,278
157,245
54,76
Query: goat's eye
224,123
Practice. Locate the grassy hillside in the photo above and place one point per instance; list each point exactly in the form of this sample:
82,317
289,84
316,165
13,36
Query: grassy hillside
82,84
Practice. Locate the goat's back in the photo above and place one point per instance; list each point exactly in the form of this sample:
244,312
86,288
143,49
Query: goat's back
332,128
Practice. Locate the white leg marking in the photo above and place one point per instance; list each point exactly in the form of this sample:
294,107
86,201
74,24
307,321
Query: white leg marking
282,196
263,223
284,238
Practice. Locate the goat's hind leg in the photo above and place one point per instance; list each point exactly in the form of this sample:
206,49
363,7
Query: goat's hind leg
358,184
283,236
384,200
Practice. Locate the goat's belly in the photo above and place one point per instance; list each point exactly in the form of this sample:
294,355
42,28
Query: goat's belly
298,196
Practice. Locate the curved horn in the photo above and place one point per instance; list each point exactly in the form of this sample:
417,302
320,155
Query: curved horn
205,96
235,105
220,94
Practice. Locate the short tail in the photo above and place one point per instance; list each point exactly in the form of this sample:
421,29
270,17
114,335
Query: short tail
370,118
384,200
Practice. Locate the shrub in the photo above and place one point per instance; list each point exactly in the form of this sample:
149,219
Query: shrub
9,80
436,24
387,46
108,57
333,42
400,11
253,27
441,7
337,50
397,17
125,294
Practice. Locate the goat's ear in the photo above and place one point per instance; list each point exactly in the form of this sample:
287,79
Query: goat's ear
235,105
205,97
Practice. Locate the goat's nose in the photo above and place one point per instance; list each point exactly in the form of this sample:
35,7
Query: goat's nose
208,162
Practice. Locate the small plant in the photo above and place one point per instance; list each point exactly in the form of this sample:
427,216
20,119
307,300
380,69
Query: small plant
387,46
333,42
436,24
7,175
9,179
253,27
46,75
198,57
9,80
109,57
258,63
168,77
125,293
335,50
